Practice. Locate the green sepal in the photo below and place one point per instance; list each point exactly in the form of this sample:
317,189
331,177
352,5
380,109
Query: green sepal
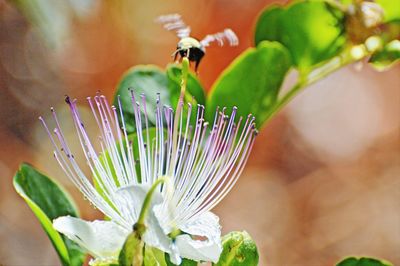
153,257
48,200
132,251
239,249
363,261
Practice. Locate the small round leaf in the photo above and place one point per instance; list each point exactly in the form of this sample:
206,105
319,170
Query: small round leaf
363,261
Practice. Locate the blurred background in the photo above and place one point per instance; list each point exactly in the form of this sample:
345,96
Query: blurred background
323,180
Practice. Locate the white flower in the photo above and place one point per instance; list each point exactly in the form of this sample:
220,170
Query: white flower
201,165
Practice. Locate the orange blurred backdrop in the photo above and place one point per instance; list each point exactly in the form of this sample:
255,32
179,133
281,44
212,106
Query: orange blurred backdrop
322,181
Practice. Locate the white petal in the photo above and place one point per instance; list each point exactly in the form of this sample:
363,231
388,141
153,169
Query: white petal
174,255
206,225
154,235
102,239
133,196
138,193
130,199
160,214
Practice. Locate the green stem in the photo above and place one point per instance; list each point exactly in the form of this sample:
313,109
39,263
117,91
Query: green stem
146,205
288,96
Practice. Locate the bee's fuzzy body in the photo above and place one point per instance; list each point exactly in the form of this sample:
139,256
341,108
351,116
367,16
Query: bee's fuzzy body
190,47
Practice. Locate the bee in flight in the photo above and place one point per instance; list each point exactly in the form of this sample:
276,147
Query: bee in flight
190,47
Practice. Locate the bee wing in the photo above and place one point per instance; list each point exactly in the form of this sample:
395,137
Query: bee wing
220,37
174,22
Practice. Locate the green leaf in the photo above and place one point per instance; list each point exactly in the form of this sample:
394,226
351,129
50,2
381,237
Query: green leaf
391,9
268,25
132,250
252,82
49,201
363,261
148,80
313,31
151,81
239,249
387,57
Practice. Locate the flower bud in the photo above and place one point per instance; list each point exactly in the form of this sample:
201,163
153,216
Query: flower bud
238,249
363,20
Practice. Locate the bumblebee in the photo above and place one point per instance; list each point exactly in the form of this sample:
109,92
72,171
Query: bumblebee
190,47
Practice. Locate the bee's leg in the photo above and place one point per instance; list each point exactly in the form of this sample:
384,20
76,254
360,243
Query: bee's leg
175,55
196,66
188,54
